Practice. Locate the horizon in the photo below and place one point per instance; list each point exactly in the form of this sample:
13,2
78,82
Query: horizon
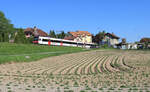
126,19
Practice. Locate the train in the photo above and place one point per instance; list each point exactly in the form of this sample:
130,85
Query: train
61,42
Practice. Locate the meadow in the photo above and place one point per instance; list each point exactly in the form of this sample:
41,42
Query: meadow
11,52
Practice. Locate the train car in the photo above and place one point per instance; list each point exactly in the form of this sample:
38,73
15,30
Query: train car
62,42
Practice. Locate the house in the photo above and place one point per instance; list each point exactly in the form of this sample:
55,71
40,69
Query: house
34,32
80,36
145,42
110,39
129,45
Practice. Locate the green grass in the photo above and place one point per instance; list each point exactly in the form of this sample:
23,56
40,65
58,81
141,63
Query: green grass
11,52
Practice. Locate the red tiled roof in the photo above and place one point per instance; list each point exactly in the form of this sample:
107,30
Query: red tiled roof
39,31
83,33
74,34
29,29
112,35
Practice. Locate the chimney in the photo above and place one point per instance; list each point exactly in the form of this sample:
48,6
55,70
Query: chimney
35,28
36,34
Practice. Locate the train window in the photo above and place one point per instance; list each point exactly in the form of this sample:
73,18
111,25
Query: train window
46,40
55,41
80,44
69,42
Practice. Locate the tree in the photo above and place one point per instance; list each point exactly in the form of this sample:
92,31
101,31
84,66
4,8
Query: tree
123,40
19,36
5,28
61,35
99,37
52,34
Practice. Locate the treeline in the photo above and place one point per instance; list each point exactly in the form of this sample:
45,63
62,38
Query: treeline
8,33
60,35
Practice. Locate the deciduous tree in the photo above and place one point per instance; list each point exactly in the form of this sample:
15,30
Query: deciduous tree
98,37
6,28
20,36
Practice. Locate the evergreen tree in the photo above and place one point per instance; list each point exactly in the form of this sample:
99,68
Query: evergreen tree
52,34
61,35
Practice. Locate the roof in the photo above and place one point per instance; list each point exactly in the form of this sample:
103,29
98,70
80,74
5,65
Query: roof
38,31
112,35
83,33
143,40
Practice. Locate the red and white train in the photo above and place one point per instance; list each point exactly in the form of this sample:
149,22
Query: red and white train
62,42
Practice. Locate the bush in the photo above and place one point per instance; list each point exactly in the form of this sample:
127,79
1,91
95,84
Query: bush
20,37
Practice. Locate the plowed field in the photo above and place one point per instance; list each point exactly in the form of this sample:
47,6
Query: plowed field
99,70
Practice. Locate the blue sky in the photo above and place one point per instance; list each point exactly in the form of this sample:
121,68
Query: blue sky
128,19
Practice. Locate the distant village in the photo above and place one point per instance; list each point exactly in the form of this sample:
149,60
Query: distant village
102,39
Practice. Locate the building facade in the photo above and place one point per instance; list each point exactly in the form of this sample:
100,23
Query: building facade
110,39
80,36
